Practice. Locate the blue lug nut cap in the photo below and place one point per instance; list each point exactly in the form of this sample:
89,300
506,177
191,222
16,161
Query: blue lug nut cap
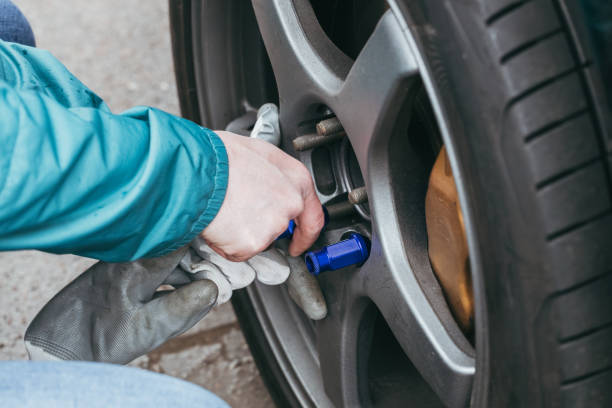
351,251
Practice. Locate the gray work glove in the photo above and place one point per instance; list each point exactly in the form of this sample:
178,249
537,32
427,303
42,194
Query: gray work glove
303,287
113,312
269,267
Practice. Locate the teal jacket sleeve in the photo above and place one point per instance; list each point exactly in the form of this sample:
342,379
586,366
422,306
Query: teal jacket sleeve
76,178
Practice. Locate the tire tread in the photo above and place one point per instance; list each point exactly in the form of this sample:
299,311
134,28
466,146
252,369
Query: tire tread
549,110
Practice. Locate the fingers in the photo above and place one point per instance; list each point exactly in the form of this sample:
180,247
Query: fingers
189,259
305,291
270,266
239,274
308,224
207,270
266,188
170,315
177,277
140,277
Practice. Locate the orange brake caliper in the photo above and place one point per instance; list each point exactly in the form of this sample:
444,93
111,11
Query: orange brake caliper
448,251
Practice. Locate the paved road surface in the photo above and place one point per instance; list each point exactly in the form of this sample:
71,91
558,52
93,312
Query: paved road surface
121,50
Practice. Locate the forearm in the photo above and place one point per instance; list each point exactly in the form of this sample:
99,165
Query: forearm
113,187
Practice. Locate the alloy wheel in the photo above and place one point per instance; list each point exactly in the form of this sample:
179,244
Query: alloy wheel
390,334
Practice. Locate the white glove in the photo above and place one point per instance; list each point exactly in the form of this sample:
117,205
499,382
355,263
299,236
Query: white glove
269,267
266,128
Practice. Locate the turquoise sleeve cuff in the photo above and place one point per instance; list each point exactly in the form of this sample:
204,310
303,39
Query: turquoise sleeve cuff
214,203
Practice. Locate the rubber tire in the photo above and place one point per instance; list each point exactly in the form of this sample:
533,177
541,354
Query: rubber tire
531,125
530,121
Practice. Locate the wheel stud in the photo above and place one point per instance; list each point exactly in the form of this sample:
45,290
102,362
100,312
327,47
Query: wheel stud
329,127
307,142
328,131
358,196
340,209
352,251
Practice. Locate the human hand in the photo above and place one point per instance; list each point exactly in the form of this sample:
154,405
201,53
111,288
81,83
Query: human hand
266,189
114,313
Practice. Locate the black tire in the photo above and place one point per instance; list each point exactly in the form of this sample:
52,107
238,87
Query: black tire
533,129
523,88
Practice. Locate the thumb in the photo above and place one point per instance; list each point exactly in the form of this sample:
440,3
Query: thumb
170,315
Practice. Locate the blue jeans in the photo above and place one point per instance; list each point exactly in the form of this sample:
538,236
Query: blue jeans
13,25
92,385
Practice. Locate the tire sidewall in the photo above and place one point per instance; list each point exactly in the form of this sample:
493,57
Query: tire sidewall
511,370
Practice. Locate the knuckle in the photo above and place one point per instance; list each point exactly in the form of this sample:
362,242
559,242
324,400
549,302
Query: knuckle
239,254
250,248
319,223
238,257
298,206
295,205
314,227
302,173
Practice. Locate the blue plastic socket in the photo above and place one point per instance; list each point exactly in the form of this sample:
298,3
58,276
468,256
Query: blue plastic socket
289,231
352,251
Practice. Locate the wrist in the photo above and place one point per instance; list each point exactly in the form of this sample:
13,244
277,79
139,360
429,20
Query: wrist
216,192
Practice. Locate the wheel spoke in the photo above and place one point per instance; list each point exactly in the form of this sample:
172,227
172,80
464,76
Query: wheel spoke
376,88
371,96
295,43
340,336
443,361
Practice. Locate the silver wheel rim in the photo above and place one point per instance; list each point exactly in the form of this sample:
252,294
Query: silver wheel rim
322,360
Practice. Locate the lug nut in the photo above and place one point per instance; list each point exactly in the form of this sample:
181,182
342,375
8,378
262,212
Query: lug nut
358,196
329,126
352,251
307,142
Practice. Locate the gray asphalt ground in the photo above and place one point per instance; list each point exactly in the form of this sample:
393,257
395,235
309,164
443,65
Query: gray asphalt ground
121,50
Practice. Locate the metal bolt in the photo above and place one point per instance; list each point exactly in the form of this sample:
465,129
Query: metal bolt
328,131
358,196
351,251
311,141
329,126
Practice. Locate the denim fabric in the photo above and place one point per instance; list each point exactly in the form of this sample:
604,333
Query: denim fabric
13,25
92,385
